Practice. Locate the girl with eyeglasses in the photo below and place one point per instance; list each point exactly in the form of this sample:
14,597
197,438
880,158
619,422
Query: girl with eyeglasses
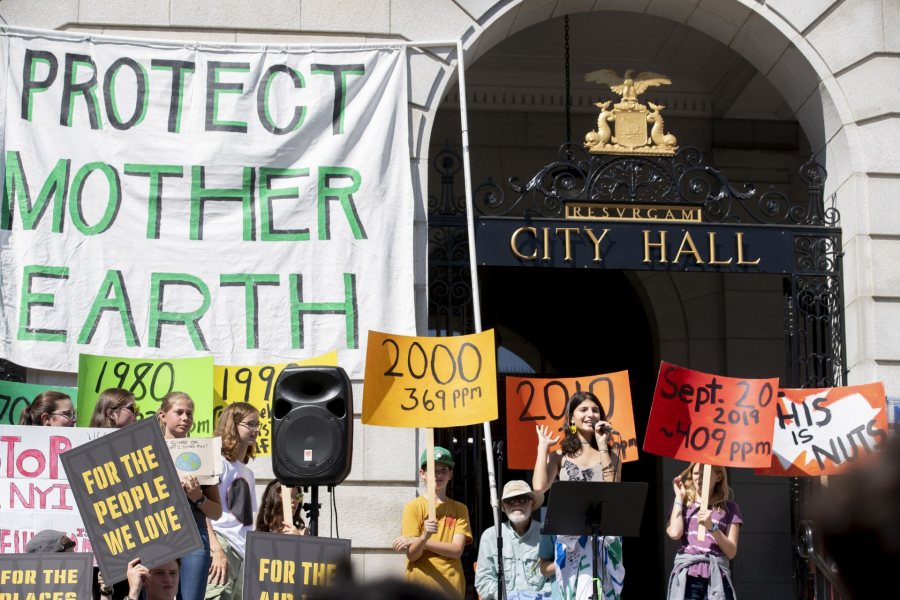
115,408
176,416
271,514
50,409
238,427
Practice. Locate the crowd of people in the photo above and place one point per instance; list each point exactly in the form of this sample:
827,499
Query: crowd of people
223,513
534,565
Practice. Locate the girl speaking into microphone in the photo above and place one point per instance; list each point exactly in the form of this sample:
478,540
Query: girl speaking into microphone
584,455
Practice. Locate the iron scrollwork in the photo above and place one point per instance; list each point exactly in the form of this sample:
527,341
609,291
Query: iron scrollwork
682,179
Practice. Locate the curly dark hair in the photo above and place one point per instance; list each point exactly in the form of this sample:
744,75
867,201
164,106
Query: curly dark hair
571,444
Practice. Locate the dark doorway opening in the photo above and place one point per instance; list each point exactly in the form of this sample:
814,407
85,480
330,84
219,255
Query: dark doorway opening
571,323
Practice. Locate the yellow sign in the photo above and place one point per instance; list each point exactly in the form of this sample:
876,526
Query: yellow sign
256,385
430,381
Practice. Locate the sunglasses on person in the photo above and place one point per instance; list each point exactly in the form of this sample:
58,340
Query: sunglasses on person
132,408
517,500
71,415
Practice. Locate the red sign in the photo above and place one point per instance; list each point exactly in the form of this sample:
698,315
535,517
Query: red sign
825,431
711,419
532,401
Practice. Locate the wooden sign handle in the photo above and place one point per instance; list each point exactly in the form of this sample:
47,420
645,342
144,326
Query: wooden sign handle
286,513
429,477
704,499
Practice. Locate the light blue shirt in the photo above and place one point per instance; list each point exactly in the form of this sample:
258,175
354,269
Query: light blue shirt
521,564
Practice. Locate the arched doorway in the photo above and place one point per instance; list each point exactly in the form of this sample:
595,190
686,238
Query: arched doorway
748,131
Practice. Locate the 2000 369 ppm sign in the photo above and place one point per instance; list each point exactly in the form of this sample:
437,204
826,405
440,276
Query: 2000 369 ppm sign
430,381
711,419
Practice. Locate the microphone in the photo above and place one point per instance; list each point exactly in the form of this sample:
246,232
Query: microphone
608,430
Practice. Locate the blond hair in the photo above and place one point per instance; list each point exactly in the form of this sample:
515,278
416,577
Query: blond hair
718,496
166,404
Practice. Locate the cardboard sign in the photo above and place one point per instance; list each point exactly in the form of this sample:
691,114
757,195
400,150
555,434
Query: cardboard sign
15,397
131,500
34,490
149,380
825,431
711,419
532,401
256,385
430,381
51,576
290,566
200,457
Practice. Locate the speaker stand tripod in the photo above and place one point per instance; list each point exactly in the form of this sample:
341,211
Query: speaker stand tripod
312,511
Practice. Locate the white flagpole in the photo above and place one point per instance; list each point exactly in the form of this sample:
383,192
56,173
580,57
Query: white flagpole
473,264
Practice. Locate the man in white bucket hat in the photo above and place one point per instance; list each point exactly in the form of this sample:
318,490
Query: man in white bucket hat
521,536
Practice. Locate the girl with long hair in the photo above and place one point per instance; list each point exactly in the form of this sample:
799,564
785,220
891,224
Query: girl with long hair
176,416
50,409
238,427
271,513
585,454
702,568
115,408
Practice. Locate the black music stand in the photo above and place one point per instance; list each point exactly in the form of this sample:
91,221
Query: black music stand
595,508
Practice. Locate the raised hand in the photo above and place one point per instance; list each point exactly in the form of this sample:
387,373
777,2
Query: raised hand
544,439
678,487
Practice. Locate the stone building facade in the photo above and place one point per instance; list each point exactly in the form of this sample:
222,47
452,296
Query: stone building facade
759,85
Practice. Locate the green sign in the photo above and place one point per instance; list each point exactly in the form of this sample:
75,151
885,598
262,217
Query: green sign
149,380
15,397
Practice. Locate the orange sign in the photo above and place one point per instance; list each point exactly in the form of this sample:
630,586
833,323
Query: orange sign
430,381
531,401
825,431
711,419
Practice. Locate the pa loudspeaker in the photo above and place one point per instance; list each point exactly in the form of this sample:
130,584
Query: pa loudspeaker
312,426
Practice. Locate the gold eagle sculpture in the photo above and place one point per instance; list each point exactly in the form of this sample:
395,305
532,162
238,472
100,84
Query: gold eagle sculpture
628,87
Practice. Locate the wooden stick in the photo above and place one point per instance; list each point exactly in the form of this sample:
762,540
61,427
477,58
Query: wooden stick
429,478
286,512
704,499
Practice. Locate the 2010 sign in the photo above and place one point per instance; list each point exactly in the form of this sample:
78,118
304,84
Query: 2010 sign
430,382
532,401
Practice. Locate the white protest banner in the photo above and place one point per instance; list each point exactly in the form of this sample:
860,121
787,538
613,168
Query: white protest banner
34,489
166,200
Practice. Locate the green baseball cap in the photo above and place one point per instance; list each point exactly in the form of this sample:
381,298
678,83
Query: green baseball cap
441,455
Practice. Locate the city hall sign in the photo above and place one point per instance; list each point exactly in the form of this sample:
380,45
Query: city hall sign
630,198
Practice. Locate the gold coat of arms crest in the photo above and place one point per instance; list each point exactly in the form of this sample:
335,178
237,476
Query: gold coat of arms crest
629,127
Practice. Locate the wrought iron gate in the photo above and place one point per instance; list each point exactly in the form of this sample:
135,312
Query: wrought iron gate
813,294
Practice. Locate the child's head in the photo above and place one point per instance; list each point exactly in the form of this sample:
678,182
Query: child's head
115,408
578,403
271,515
443,466
238,427
49,409
176,415
692,478
163,581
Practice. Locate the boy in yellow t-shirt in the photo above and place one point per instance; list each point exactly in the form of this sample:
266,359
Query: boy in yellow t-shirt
433,548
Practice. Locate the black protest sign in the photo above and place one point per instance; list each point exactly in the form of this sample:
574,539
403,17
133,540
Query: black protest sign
130,499
288,567
56,575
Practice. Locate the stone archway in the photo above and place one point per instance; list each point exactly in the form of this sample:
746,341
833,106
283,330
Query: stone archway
673,330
